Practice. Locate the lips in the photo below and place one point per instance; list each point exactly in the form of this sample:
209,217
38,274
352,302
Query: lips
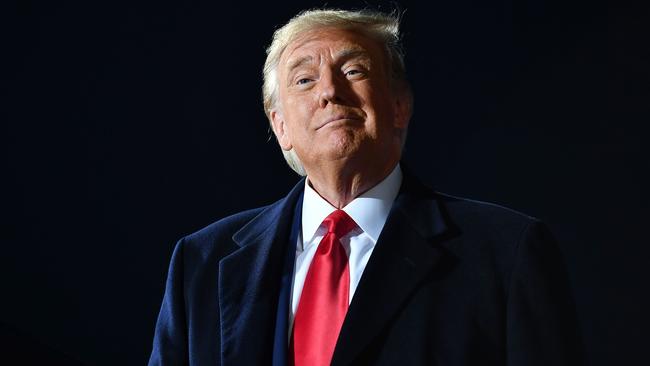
339,117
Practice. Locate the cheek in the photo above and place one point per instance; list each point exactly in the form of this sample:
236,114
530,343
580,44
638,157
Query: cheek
376,95
299,112
380,107
387,105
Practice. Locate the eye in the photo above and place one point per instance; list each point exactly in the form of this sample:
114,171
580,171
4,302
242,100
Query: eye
354,73
303,81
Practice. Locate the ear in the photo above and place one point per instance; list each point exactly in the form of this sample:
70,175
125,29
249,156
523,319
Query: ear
277,120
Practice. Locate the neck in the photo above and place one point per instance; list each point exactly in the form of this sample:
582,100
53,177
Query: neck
340,186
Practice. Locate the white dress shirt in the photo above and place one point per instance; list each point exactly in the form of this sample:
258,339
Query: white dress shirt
369,210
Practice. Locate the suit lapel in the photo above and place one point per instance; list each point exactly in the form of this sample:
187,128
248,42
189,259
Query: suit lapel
405,253
249,281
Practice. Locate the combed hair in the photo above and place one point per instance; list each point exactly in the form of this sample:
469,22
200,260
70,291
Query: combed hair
380,26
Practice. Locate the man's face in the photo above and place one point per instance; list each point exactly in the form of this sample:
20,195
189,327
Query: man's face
336,102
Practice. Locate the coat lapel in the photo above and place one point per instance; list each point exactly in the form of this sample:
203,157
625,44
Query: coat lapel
406,251
249,281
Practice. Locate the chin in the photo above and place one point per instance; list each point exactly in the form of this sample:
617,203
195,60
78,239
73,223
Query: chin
343,146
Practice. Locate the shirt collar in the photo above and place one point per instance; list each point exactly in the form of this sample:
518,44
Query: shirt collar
369,210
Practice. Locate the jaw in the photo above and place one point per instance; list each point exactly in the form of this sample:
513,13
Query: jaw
349,168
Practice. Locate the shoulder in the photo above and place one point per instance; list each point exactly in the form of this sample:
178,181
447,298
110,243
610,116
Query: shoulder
471,218
215,240
488,227
484,215
226,226
492,231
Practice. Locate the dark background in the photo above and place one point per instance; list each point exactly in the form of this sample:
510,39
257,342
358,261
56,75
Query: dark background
127,126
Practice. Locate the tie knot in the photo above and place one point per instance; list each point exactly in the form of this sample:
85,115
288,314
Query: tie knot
339,223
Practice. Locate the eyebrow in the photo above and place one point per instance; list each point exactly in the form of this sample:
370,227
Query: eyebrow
344,54
299,62
353,52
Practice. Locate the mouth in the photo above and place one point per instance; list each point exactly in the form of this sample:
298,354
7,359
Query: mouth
339,118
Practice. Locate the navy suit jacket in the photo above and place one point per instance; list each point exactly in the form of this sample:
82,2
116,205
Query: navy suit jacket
450,282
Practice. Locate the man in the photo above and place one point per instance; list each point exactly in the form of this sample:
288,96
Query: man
361,264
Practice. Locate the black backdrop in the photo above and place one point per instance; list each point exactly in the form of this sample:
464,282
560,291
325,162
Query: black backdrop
127,126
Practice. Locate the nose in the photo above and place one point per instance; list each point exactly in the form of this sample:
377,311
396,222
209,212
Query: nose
331,88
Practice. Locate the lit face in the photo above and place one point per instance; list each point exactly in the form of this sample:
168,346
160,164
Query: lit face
336,102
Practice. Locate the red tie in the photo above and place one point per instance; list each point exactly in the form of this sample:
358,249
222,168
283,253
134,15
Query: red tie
324,299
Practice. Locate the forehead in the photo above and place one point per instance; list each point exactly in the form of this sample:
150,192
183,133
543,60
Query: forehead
331,42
